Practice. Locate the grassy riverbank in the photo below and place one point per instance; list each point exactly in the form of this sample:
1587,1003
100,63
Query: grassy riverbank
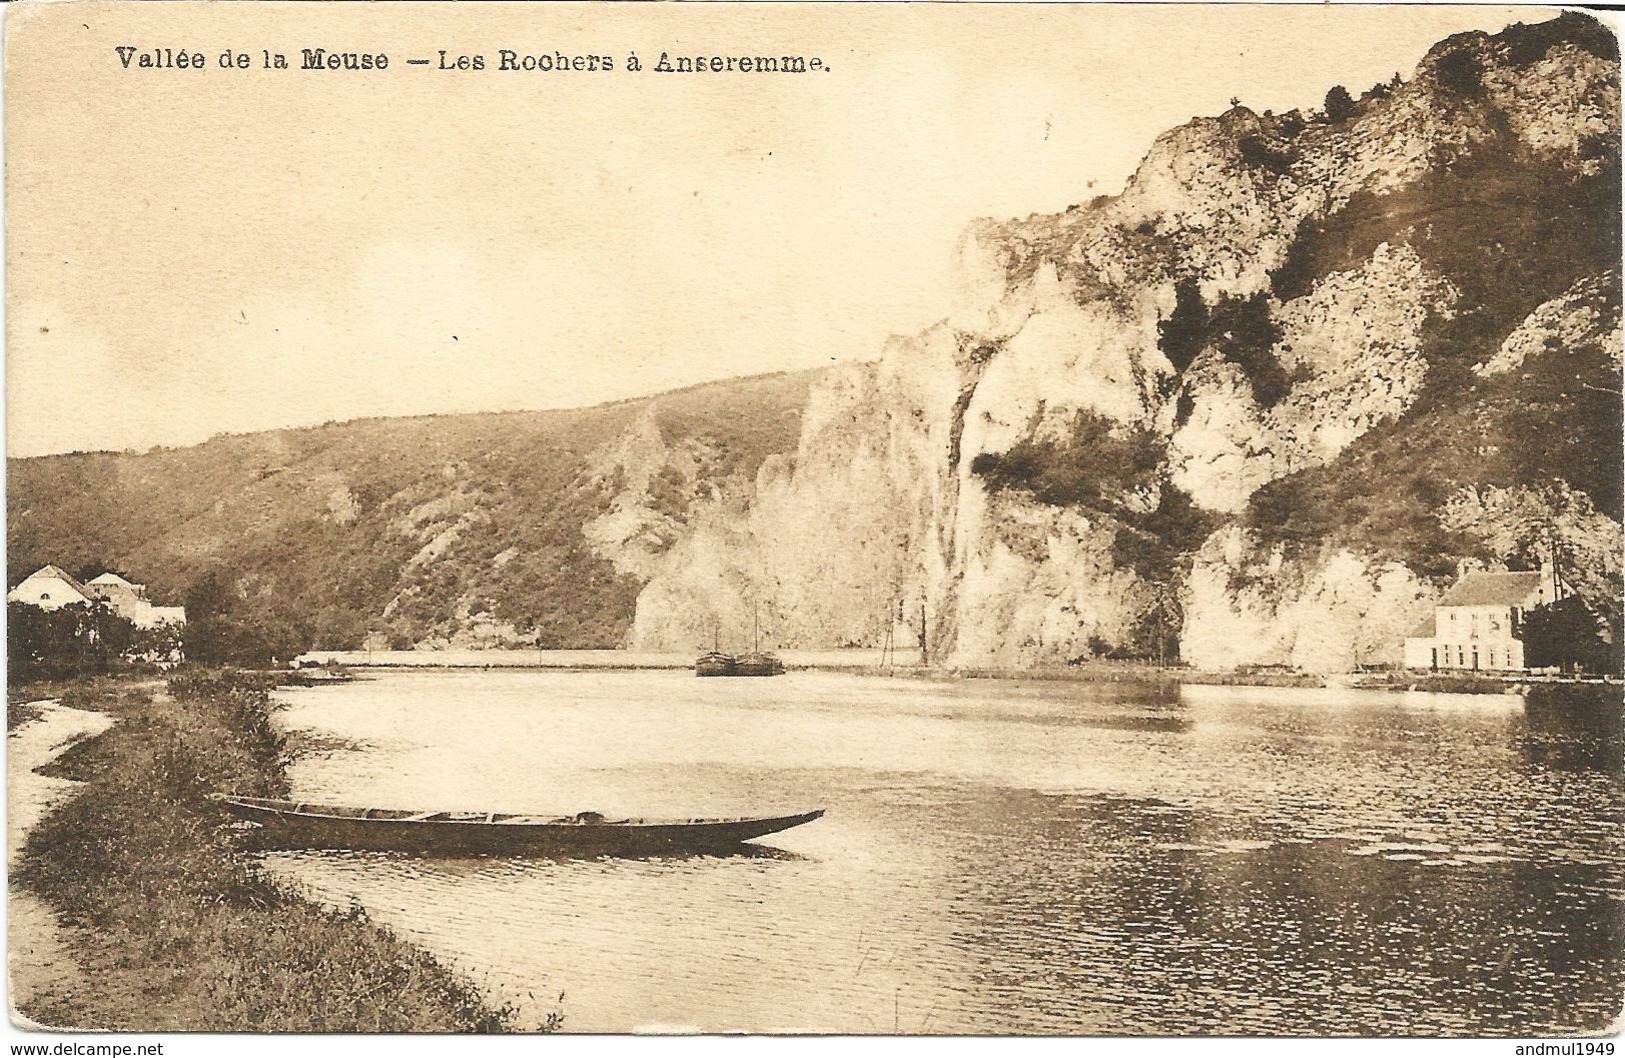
179,930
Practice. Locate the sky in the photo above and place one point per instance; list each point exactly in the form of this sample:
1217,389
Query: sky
191,252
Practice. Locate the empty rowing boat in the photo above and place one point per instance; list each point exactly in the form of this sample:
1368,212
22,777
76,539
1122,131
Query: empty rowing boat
301,824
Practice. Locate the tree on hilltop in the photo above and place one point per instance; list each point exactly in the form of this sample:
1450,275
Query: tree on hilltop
1339,104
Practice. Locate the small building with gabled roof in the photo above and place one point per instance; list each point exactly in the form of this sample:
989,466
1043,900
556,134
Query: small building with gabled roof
113,581
50,588
1478,624
130,602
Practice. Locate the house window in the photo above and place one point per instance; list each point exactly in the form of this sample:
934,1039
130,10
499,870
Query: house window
1492,657
44,596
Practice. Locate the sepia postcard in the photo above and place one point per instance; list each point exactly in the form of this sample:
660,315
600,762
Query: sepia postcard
934,519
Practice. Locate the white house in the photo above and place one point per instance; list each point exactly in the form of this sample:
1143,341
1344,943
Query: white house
49,588
1479,623
112,581
129,601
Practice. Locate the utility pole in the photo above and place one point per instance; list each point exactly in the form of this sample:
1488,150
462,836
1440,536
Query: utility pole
1162,628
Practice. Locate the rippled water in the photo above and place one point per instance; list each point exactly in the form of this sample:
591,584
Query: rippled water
1001,856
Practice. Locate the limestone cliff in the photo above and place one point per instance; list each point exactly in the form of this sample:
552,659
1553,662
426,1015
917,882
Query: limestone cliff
1272,298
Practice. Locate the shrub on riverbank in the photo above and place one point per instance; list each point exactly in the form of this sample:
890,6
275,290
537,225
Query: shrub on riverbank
178,929
1443,683
1255,679
1102,672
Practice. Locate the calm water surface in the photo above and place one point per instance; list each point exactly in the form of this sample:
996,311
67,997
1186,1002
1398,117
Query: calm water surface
1000,856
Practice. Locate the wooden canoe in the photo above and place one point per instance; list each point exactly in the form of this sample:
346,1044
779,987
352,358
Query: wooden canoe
291,824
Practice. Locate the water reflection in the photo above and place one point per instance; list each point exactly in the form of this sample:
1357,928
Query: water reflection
1273,933
450,865
1574,729
1006,857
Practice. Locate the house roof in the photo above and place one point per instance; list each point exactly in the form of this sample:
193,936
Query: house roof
53,570
114,579
1427,628
1492,589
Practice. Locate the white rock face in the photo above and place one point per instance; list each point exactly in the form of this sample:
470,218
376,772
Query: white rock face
1065,357
1359,335
826,551
341,506
1353,344
1246,607
1224,450
1040,587
1560,101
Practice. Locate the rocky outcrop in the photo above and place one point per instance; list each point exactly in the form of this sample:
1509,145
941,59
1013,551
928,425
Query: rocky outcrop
1353,345
1584,314
652,486
1215,307
828,541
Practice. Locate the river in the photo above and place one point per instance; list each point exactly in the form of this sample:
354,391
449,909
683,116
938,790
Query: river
999,856
40,955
